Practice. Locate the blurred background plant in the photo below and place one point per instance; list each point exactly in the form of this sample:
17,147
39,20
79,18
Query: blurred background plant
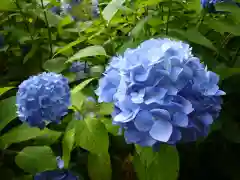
76,39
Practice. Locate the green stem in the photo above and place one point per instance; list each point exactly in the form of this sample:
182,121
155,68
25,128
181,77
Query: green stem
168,17
234,59
24,19
49,30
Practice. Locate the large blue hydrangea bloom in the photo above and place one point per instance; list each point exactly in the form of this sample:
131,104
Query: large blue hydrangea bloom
55,175
41,98
209,4
161,93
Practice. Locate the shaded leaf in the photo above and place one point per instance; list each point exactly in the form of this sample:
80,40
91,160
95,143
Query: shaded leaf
35,159
99,166
8,111
160,165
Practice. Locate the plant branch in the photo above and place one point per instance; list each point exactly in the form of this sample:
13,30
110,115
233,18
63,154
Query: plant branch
49,30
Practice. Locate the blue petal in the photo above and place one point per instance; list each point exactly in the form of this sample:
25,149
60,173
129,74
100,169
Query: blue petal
125,116
143,121
132,136
161,130
175,73
161,114
180,119
206,119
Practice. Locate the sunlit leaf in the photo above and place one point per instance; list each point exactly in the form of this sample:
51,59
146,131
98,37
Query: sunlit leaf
111,9
88,51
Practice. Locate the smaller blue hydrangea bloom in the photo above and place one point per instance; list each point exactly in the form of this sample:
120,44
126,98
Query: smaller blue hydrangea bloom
80,68
60,162
56,10
209,4
55,175
95,8
42,98
78,116
161,93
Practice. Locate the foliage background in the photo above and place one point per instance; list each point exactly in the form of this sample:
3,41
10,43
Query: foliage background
36,40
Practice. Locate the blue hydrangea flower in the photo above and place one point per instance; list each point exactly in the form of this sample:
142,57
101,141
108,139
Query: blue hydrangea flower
78,116
161,93
56,10
60,162
87,8
95,8
55,175
42,98
80,68
209,4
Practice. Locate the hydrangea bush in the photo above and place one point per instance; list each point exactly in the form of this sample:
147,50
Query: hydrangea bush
119,90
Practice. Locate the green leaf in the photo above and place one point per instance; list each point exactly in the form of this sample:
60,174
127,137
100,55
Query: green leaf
55,65
7,5
8,111
139,28
223,26
99,166
48,138
92,136
113,129
111,9
23,133
88,51
35,159
193,35
229,7
5,89
195,5
81,86
160,165
70,45
31,52
225,72
68,142
105,108
77,100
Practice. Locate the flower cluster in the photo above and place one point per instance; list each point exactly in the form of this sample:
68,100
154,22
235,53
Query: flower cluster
42,98
73,6
161,93
80,68
209,4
